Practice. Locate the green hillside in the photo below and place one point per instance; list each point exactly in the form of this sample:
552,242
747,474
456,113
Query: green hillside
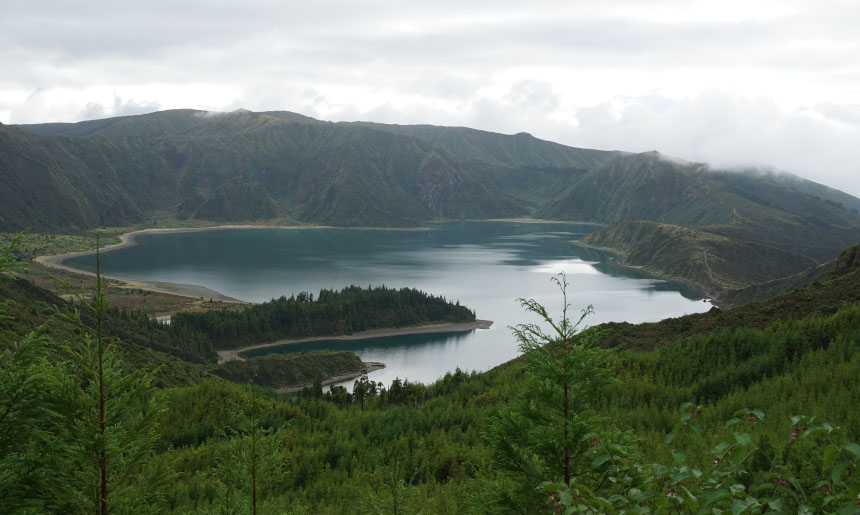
515,151
769,289
708,259
199,442
751,227
835,289
234,167
244,166
282,168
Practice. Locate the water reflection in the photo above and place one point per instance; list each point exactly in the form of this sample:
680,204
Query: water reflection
484,265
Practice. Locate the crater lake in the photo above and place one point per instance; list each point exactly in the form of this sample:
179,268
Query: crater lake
486,266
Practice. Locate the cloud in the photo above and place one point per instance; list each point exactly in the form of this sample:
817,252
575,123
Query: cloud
55,105
94,111
726,130
772,82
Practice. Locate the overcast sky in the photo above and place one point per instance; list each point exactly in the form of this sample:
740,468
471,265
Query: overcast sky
768,83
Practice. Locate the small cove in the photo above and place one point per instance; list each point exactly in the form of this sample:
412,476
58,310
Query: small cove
484,265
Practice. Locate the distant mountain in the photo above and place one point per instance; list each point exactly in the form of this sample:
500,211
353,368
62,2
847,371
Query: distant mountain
490,148
752,227
233,167
154,125
280,166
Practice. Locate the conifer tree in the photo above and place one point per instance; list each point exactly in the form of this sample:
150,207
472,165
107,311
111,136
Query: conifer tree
109,421
27,417
543,434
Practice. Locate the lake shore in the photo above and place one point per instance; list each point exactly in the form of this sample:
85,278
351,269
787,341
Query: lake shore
696,286
129,239
231,354
369,367
530,221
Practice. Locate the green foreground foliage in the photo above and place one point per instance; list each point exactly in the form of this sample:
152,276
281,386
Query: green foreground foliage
453,446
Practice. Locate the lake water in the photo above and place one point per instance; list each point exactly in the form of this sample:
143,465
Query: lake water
484,265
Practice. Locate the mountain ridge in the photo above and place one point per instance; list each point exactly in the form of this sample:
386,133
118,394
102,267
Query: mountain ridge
283,167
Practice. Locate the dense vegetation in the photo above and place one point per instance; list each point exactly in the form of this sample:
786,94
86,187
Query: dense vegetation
490,442
332,313
236,167
297,369
748,410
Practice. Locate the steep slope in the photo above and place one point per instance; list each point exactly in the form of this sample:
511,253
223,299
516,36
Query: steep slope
524,168
47,183
769,289
152,125
233,167
30,310
281,166
518,150
713,261
836,289
651,187
752,227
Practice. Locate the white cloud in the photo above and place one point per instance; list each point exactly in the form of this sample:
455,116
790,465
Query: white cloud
772,82
730,131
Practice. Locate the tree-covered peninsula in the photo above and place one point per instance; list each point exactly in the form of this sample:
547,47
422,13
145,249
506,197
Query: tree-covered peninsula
331,313
745,410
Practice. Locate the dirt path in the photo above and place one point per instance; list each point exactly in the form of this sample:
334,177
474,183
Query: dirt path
231,354
710,273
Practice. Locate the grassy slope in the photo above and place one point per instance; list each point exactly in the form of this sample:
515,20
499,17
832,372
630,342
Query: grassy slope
31,310
236,167
835,290
518,151
755,228
713,261
770,289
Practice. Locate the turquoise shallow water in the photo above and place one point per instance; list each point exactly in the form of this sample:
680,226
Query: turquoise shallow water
484,265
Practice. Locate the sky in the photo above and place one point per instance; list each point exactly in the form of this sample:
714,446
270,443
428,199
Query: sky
733,83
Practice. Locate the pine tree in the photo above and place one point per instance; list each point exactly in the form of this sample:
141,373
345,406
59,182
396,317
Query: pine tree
27,417
109,422
543,435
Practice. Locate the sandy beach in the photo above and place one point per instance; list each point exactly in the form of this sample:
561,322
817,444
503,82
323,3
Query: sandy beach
231,354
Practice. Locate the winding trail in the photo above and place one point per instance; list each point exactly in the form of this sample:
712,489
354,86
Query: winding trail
710,273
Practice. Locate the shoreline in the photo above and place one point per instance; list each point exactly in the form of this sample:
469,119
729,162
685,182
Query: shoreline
194,291
709,295
447,327
524,221
370,366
